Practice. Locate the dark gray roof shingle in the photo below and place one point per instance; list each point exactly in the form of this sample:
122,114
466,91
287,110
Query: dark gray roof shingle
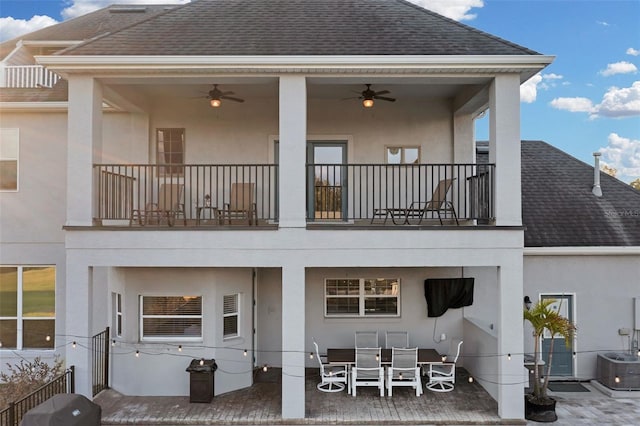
559,210
299,27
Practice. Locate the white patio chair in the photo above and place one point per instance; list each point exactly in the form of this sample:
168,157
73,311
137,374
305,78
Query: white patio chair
366,339
404,370
368,370
334,378
396,339
442,377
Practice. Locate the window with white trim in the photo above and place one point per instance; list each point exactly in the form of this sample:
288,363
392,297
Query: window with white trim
170,151
362,297
9,159
27,307
116,303
231,316
170,318
403,154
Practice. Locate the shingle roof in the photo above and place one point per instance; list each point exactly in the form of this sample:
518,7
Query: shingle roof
85,27
559,210
58,93
299,27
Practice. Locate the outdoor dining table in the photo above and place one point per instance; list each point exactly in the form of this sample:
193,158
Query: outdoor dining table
348,356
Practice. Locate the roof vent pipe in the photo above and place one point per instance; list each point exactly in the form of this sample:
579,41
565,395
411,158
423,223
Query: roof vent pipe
596,190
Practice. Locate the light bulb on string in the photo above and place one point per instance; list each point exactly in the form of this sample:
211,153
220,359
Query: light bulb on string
202,361
509,357
113,342
48,338
617,379
470,379
264,368
310,355
244,352
137,354
179,348
73,344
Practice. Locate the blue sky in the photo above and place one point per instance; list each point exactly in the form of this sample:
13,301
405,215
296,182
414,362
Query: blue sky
587,100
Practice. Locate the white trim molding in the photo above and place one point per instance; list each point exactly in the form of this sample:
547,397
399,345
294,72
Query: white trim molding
582,251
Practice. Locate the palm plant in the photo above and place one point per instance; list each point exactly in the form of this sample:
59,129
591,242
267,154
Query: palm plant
543,317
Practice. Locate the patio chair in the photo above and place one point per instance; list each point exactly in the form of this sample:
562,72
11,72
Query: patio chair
438,204
334,378
366,339
368,370
404,370
442,377
396,339
169,206
241,205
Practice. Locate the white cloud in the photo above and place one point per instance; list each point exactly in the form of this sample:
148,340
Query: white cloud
623,154
603,23
454,9
529,89
552,76
82,7
616,103
573,104
622,67
11,28
633,52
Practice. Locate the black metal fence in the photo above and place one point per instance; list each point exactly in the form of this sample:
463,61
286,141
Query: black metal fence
368,191
100,361
189,192
64,383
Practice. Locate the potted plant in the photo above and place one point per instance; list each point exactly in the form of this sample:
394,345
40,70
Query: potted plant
538,405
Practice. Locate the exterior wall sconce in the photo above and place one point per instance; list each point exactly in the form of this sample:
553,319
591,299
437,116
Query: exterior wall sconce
527,302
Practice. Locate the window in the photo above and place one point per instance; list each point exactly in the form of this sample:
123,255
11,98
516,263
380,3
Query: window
231,315
403,155
171,318
27,307
170,151
353,297
116,303
8,159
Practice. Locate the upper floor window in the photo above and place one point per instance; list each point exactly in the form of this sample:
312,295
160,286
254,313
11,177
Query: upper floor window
170,151
171,318
362,297
9,159
403,155
231,314
27,307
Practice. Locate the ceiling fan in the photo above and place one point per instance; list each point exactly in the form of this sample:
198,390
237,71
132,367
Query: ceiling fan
368,95
216,96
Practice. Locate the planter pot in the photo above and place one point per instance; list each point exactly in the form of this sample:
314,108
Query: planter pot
540,411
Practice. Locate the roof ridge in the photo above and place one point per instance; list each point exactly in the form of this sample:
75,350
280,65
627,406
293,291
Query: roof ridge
468,27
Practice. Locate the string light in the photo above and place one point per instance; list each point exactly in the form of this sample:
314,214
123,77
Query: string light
400,376
444,358
574,354
244,353
617,379
202,361
48,338
113,342
377,357
137,354
310,355
73,345
470,379
509,357
179,348
264,368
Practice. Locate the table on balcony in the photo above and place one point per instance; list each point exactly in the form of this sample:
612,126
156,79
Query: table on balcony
214,214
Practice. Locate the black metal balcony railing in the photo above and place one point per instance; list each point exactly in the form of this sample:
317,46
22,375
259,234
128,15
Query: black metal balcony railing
404,193
247,194
149,194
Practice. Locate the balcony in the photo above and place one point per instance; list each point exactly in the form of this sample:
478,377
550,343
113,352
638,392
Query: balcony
211,196
27,76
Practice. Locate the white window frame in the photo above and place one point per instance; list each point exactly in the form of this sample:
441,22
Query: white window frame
235,313
118,317
19,318
144,338
362,296
162,165
11,136
402,149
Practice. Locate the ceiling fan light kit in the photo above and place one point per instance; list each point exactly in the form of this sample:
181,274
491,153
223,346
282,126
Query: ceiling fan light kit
367,102
216,96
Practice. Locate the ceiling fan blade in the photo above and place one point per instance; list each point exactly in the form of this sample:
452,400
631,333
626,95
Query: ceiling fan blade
232,98
351,97
384,98
226,93
382,92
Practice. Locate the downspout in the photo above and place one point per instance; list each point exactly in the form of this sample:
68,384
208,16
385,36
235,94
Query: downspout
254,316
596,190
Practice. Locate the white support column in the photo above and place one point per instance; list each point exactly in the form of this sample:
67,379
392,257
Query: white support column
79,323
510,338
504,148
293,350
293,149
84,146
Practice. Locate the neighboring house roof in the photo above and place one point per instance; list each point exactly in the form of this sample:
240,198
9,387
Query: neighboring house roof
558,208
85,27
298,27
57,93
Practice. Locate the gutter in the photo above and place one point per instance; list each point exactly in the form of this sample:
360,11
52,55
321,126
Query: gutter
582,251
